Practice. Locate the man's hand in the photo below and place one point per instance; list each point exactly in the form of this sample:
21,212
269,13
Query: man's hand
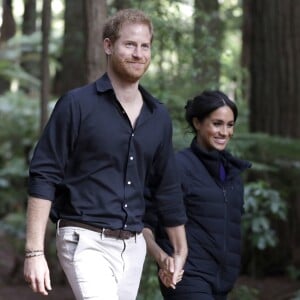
36,274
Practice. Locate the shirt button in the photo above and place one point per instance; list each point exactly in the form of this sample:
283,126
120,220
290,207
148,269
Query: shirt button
129,182
125,225
132,134
131,157
125,205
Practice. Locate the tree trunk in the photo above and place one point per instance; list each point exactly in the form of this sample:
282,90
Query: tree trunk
275,67
207,43
272,54
95,15
29,17
45,87
7,31
8,28
28,60
72,73
121,4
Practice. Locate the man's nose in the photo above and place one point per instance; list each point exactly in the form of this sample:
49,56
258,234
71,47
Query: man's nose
137,51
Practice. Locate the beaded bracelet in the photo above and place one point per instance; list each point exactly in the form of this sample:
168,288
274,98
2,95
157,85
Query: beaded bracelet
27,255
33,251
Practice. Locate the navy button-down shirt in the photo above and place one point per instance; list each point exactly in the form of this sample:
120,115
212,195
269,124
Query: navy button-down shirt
95,167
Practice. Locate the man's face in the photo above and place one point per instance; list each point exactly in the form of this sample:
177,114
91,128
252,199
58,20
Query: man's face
130,55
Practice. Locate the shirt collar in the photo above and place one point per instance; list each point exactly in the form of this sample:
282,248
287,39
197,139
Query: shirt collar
103,84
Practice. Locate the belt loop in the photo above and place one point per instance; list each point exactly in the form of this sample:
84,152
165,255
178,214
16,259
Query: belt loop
57,227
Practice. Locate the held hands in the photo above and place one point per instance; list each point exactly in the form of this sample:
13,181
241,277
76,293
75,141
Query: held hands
171,271
36,274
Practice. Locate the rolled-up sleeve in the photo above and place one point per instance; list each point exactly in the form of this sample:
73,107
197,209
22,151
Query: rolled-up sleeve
164,187
52,152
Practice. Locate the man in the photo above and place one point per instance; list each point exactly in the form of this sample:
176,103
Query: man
105,145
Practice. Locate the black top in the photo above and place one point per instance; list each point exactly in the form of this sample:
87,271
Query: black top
214,207
93,165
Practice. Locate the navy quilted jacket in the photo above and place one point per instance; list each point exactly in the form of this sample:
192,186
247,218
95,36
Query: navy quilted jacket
214,209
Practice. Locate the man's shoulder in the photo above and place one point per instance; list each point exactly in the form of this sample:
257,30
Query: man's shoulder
78,92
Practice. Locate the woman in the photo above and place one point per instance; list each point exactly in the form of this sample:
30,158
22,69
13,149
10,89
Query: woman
213,196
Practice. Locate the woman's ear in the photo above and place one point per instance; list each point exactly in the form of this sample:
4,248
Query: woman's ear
196,123
107,45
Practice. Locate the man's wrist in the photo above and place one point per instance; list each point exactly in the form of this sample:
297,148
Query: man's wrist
33,253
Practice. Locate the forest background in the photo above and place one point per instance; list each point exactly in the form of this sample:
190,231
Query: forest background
249,49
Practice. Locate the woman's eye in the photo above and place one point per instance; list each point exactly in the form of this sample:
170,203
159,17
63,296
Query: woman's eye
217,124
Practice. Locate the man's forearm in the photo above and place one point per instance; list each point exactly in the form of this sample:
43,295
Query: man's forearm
37,217
153,248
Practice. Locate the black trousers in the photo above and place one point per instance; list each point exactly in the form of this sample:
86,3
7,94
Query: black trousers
191,290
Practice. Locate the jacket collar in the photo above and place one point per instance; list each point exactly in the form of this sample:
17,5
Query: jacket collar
212,160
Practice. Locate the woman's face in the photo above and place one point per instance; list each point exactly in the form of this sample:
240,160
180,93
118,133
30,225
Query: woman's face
215,131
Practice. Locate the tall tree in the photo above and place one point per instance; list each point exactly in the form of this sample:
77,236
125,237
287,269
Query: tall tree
7,31
73,49
45,75
82,45
29,17
207,42
28,61
8,27
272,33
95,16
121,4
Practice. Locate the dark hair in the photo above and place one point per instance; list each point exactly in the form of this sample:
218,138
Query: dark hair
113,24
204,104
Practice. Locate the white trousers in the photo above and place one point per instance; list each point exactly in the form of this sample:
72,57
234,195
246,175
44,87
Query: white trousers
98,267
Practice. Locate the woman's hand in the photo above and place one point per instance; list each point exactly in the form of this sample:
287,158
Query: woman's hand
166,273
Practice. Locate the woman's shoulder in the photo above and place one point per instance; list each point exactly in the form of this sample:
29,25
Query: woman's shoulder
186,158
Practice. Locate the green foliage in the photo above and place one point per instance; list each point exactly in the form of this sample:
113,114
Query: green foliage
20,50
296,296
243,292
13,227
13,54
18,132
293,272
149,287
262,204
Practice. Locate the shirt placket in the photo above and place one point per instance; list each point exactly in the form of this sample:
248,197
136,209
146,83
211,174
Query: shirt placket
129,179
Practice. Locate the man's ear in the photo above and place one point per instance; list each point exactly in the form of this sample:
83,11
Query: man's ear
107,45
